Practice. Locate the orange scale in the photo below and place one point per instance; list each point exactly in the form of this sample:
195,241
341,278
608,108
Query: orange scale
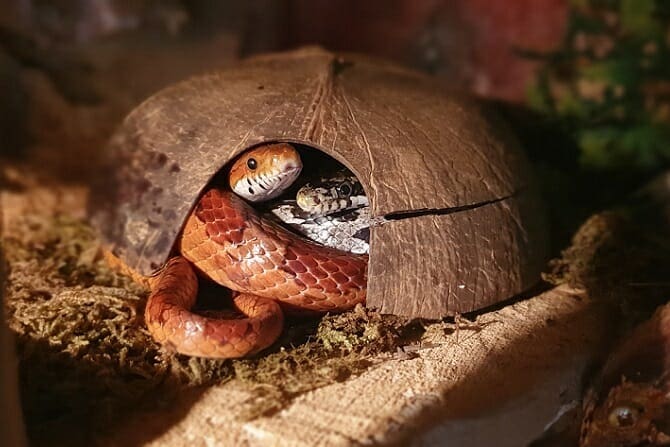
350,270
220,227
268,253
258,286
258,273
223,211
339,260
308,279
330,266
269,245
319,272
328,285
285,272
255,268
315,295
277,258
290,254
319,257
258,250
255,325
206,348
306,301
234,224
309,262
211,211
165,315
189,344
241,345
223,259
297,266
197,253
268,267
301,285
340,278
206,216
214,198
293,289
239,272
204,251
338,302
280,294
229,213
275,279
242,252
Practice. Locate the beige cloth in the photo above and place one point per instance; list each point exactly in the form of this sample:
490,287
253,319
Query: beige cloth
500,385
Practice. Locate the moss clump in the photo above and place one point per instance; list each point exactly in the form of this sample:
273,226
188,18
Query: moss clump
362,330
344,345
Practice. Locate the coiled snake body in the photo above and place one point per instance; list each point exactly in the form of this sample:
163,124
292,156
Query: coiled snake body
269,267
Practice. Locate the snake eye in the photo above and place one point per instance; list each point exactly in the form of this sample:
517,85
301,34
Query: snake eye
344,190
251,163
623,416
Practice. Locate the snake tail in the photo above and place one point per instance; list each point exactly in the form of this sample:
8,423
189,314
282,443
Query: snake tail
172,324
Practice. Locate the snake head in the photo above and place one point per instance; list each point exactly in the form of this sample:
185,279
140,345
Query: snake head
265,172
332,195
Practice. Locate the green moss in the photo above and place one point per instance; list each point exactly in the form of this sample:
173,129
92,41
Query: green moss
608,84
344,345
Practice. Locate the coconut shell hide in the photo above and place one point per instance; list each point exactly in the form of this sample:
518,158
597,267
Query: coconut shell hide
464,227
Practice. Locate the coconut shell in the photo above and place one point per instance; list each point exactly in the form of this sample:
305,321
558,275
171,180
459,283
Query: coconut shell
465,227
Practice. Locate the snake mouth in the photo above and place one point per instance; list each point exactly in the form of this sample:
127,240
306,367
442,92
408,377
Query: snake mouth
282,181
267,186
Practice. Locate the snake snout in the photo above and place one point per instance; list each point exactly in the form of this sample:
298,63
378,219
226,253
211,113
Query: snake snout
287,164
265,172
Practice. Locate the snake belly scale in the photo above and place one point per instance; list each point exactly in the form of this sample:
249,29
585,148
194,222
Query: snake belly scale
270,269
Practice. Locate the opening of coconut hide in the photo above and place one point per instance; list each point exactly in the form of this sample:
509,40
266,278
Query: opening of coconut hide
320,164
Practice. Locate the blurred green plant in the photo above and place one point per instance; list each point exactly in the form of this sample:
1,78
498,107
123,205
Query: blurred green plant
609,83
